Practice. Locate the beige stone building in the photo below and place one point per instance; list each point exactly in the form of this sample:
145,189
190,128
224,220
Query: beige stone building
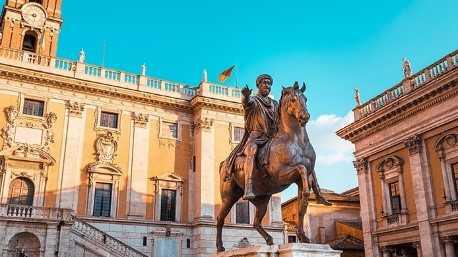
101,162
338,225
406,142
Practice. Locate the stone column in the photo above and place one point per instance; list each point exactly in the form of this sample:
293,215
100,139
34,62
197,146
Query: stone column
70,166
138,177
430,245
367,206
205,169
449,247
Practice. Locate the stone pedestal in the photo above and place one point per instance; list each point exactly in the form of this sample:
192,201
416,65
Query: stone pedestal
286,250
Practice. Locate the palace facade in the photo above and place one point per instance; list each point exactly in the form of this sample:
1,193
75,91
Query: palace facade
101,162
406,142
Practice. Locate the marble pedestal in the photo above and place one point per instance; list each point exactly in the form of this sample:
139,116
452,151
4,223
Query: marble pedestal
286,250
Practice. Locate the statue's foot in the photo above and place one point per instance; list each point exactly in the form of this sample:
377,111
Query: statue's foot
320,200
249,196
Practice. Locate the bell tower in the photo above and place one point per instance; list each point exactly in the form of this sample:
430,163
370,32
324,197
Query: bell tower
32,26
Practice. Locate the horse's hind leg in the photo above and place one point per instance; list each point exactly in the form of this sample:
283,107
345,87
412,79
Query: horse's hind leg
229,198
261,203
302,199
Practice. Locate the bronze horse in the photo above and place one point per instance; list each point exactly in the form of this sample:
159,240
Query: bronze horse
291,160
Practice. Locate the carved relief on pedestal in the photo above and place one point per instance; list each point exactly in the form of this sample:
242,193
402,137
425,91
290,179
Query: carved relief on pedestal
413,143
140,119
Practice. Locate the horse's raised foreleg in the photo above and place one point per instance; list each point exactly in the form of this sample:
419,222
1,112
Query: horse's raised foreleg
261,204
230,194
302,199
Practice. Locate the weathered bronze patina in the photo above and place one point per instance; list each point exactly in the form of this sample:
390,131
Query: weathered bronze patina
274,153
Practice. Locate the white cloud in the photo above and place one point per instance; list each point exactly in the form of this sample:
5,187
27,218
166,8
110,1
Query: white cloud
334,166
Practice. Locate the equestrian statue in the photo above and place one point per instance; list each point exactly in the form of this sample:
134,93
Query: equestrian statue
274,153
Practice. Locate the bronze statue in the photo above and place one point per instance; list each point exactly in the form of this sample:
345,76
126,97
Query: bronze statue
274,153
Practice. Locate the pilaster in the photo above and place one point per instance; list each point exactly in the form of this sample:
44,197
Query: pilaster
70,176
367,206
138,177
205,169
430,244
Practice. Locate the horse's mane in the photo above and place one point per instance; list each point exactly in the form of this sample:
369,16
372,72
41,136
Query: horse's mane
281,102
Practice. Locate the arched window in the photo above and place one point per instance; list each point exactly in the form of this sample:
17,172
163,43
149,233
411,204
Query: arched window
21,192
30,42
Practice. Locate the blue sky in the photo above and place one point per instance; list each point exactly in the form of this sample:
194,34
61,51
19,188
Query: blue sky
333,45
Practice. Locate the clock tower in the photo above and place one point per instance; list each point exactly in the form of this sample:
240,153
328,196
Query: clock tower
32,26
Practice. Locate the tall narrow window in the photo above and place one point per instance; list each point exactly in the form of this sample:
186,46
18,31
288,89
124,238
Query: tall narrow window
455,177
30,42
109,120
168,204
21,192
395,197
169,129
102,200
33,107
242,213
238,134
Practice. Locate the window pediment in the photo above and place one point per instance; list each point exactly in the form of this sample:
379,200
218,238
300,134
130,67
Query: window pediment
29,153
447,144
390,167
168,177
104,168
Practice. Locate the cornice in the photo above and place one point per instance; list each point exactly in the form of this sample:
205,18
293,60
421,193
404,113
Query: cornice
436,91
92,88
199,102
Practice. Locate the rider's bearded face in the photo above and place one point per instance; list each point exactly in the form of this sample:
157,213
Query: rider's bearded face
264,87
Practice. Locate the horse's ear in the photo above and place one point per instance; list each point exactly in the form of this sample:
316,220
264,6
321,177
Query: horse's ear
303,87
283,89
296,85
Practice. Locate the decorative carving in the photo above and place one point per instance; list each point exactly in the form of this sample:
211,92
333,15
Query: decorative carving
48,135
74,108
361,166
389,164
106,147
10,129
445,143
413,143
205,123
140,119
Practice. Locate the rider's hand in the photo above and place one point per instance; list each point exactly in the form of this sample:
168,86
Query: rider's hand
246,91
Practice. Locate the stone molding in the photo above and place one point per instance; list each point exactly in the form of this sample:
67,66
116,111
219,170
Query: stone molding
140,119
74,108
391,164
414,144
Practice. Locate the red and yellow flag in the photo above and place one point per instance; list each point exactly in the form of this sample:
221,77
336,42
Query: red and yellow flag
226,74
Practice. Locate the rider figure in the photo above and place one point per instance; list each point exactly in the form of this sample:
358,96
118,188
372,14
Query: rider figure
261,125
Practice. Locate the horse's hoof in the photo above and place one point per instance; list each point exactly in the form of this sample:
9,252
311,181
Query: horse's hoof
220,249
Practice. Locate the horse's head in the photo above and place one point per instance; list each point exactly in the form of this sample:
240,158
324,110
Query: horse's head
295,103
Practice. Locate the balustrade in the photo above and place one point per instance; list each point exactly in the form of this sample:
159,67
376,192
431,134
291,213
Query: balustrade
435,70
32,212
99,237
393,219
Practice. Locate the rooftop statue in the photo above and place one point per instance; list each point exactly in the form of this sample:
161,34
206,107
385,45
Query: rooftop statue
274,153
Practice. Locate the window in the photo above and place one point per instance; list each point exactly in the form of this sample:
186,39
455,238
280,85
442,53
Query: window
242,213
36,1
145,241
188,243
170,129
455,177
292,239
30,42
21,192
109,120
395,197
33,107
238,134
168,204
102,200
